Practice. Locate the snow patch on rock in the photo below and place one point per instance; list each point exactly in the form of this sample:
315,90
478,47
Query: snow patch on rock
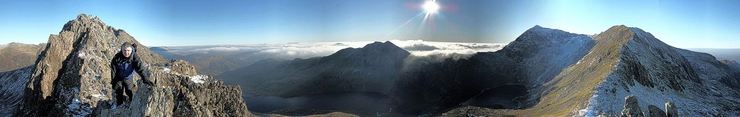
81,54
76,108
199,78
166,70
608,99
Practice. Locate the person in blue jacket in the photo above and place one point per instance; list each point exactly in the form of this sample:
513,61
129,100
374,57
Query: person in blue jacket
124,63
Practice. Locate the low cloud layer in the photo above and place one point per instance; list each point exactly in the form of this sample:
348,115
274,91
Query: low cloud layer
425,48
315,49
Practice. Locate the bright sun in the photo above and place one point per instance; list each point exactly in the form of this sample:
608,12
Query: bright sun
430,6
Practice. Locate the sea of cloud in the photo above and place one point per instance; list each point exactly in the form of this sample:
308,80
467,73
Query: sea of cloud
315,49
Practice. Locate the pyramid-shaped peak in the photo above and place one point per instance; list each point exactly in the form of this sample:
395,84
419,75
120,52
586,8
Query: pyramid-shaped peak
539,30
626,32
621,26
621,32
539,34
618,28
537,26
84,21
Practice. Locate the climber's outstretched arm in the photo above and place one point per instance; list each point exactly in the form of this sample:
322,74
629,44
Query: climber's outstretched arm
143,70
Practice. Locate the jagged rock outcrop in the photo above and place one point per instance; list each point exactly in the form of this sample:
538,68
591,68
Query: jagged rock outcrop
180,89
79,53
72,78
631,107
182,67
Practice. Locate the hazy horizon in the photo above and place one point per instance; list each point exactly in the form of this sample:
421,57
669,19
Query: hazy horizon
683,24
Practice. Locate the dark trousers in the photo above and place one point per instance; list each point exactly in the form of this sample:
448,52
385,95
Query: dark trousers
121,86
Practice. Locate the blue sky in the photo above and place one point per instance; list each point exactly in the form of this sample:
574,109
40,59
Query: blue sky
681,23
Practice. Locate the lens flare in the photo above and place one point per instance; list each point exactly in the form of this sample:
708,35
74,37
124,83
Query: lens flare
430,7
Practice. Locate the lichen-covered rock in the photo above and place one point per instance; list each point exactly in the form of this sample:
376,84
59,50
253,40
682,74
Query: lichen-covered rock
182,67
631,107
72,78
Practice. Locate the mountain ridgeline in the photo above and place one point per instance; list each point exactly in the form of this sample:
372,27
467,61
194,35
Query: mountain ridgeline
543,72
623,71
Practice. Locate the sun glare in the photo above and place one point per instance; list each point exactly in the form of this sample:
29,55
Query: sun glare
430,6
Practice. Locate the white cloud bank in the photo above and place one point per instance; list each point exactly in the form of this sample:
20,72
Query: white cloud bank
315,49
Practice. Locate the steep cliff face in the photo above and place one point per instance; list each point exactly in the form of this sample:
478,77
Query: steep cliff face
543,52
653,63
657,73
72,77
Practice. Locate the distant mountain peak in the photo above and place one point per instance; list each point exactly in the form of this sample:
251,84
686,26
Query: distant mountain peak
378,43
377,48
383,45
537,26
539,36
624,35
538,33
620,26
538,29
621,33
625,30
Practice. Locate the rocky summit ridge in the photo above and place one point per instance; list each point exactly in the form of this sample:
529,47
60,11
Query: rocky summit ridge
71,77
